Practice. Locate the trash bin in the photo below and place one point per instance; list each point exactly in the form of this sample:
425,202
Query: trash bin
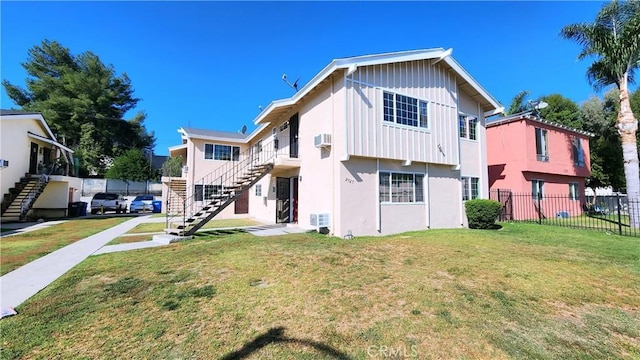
157,206
73,209
82,208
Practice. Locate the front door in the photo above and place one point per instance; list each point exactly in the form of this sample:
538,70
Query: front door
293,136
33,159
242,203
283,202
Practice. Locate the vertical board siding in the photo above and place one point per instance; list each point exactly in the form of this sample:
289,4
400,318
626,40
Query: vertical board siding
370,136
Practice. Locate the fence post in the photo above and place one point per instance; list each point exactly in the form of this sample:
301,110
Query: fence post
539,208
619,217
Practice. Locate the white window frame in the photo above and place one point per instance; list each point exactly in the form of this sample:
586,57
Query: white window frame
234,151
258,190
414,194
206,192
542,154
574,190
420,105
468,188
465,124
538,193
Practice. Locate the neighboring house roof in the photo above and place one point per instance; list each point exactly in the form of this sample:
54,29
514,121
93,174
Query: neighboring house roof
212,135
490,105
527,115
26,115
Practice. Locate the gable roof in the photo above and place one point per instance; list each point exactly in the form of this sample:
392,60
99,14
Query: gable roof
528,115
278,107
212,135
27,115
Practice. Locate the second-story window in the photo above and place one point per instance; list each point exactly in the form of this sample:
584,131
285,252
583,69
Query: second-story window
221,152
542,148
405,110
468,127
577,153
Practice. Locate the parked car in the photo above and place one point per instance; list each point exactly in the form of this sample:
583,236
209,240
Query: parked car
103,202
141,203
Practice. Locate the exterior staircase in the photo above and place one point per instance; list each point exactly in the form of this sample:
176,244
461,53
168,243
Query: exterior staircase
176,195
22,197
214,192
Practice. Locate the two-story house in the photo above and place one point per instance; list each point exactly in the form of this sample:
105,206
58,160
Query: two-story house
37,173
543,163
371,145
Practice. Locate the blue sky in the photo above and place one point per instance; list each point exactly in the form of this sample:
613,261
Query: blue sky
211,64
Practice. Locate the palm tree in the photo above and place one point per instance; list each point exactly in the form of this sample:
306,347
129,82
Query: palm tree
518,104
614,40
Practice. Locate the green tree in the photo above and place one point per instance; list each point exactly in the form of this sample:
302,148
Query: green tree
599,116
172,166
132,165
84,102
561,110
614,40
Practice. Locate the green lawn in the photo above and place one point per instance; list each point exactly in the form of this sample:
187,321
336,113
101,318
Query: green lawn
18,250
525,291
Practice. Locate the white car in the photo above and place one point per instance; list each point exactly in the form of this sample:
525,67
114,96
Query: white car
103,202
141,203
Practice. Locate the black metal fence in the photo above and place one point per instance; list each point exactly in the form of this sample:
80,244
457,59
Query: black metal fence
607,213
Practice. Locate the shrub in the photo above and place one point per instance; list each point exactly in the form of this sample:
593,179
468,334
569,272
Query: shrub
482,213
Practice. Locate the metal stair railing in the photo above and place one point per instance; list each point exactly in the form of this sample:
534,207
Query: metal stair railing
33,194
220,187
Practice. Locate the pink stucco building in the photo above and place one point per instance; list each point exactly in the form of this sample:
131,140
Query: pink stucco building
544,160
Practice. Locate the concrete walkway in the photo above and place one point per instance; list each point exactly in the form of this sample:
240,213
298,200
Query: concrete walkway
24,282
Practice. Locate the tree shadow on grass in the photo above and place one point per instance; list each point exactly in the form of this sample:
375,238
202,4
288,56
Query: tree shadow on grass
276,335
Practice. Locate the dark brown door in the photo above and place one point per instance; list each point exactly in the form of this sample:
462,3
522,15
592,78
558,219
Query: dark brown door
242,203
283,203
46,156
294,201
293,136
33,159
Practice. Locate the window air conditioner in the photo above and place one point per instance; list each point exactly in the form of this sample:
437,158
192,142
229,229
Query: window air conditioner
322,140
4,163
319,220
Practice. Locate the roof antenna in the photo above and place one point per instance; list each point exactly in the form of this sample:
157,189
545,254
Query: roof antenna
294,86
260,108
244,129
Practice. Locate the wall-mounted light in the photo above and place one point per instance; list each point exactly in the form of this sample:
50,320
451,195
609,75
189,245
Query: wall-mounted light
300,178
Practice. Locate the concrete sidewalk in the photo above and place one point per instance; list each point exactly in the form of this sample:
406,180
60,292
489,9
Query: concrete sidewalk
24,282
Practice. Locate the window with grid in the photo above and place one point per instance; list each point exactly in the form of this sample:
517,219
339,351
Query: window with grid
470,188
462,121
405,110
258,190
221,152
473,128
573,191
401,187
206,192
468,127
